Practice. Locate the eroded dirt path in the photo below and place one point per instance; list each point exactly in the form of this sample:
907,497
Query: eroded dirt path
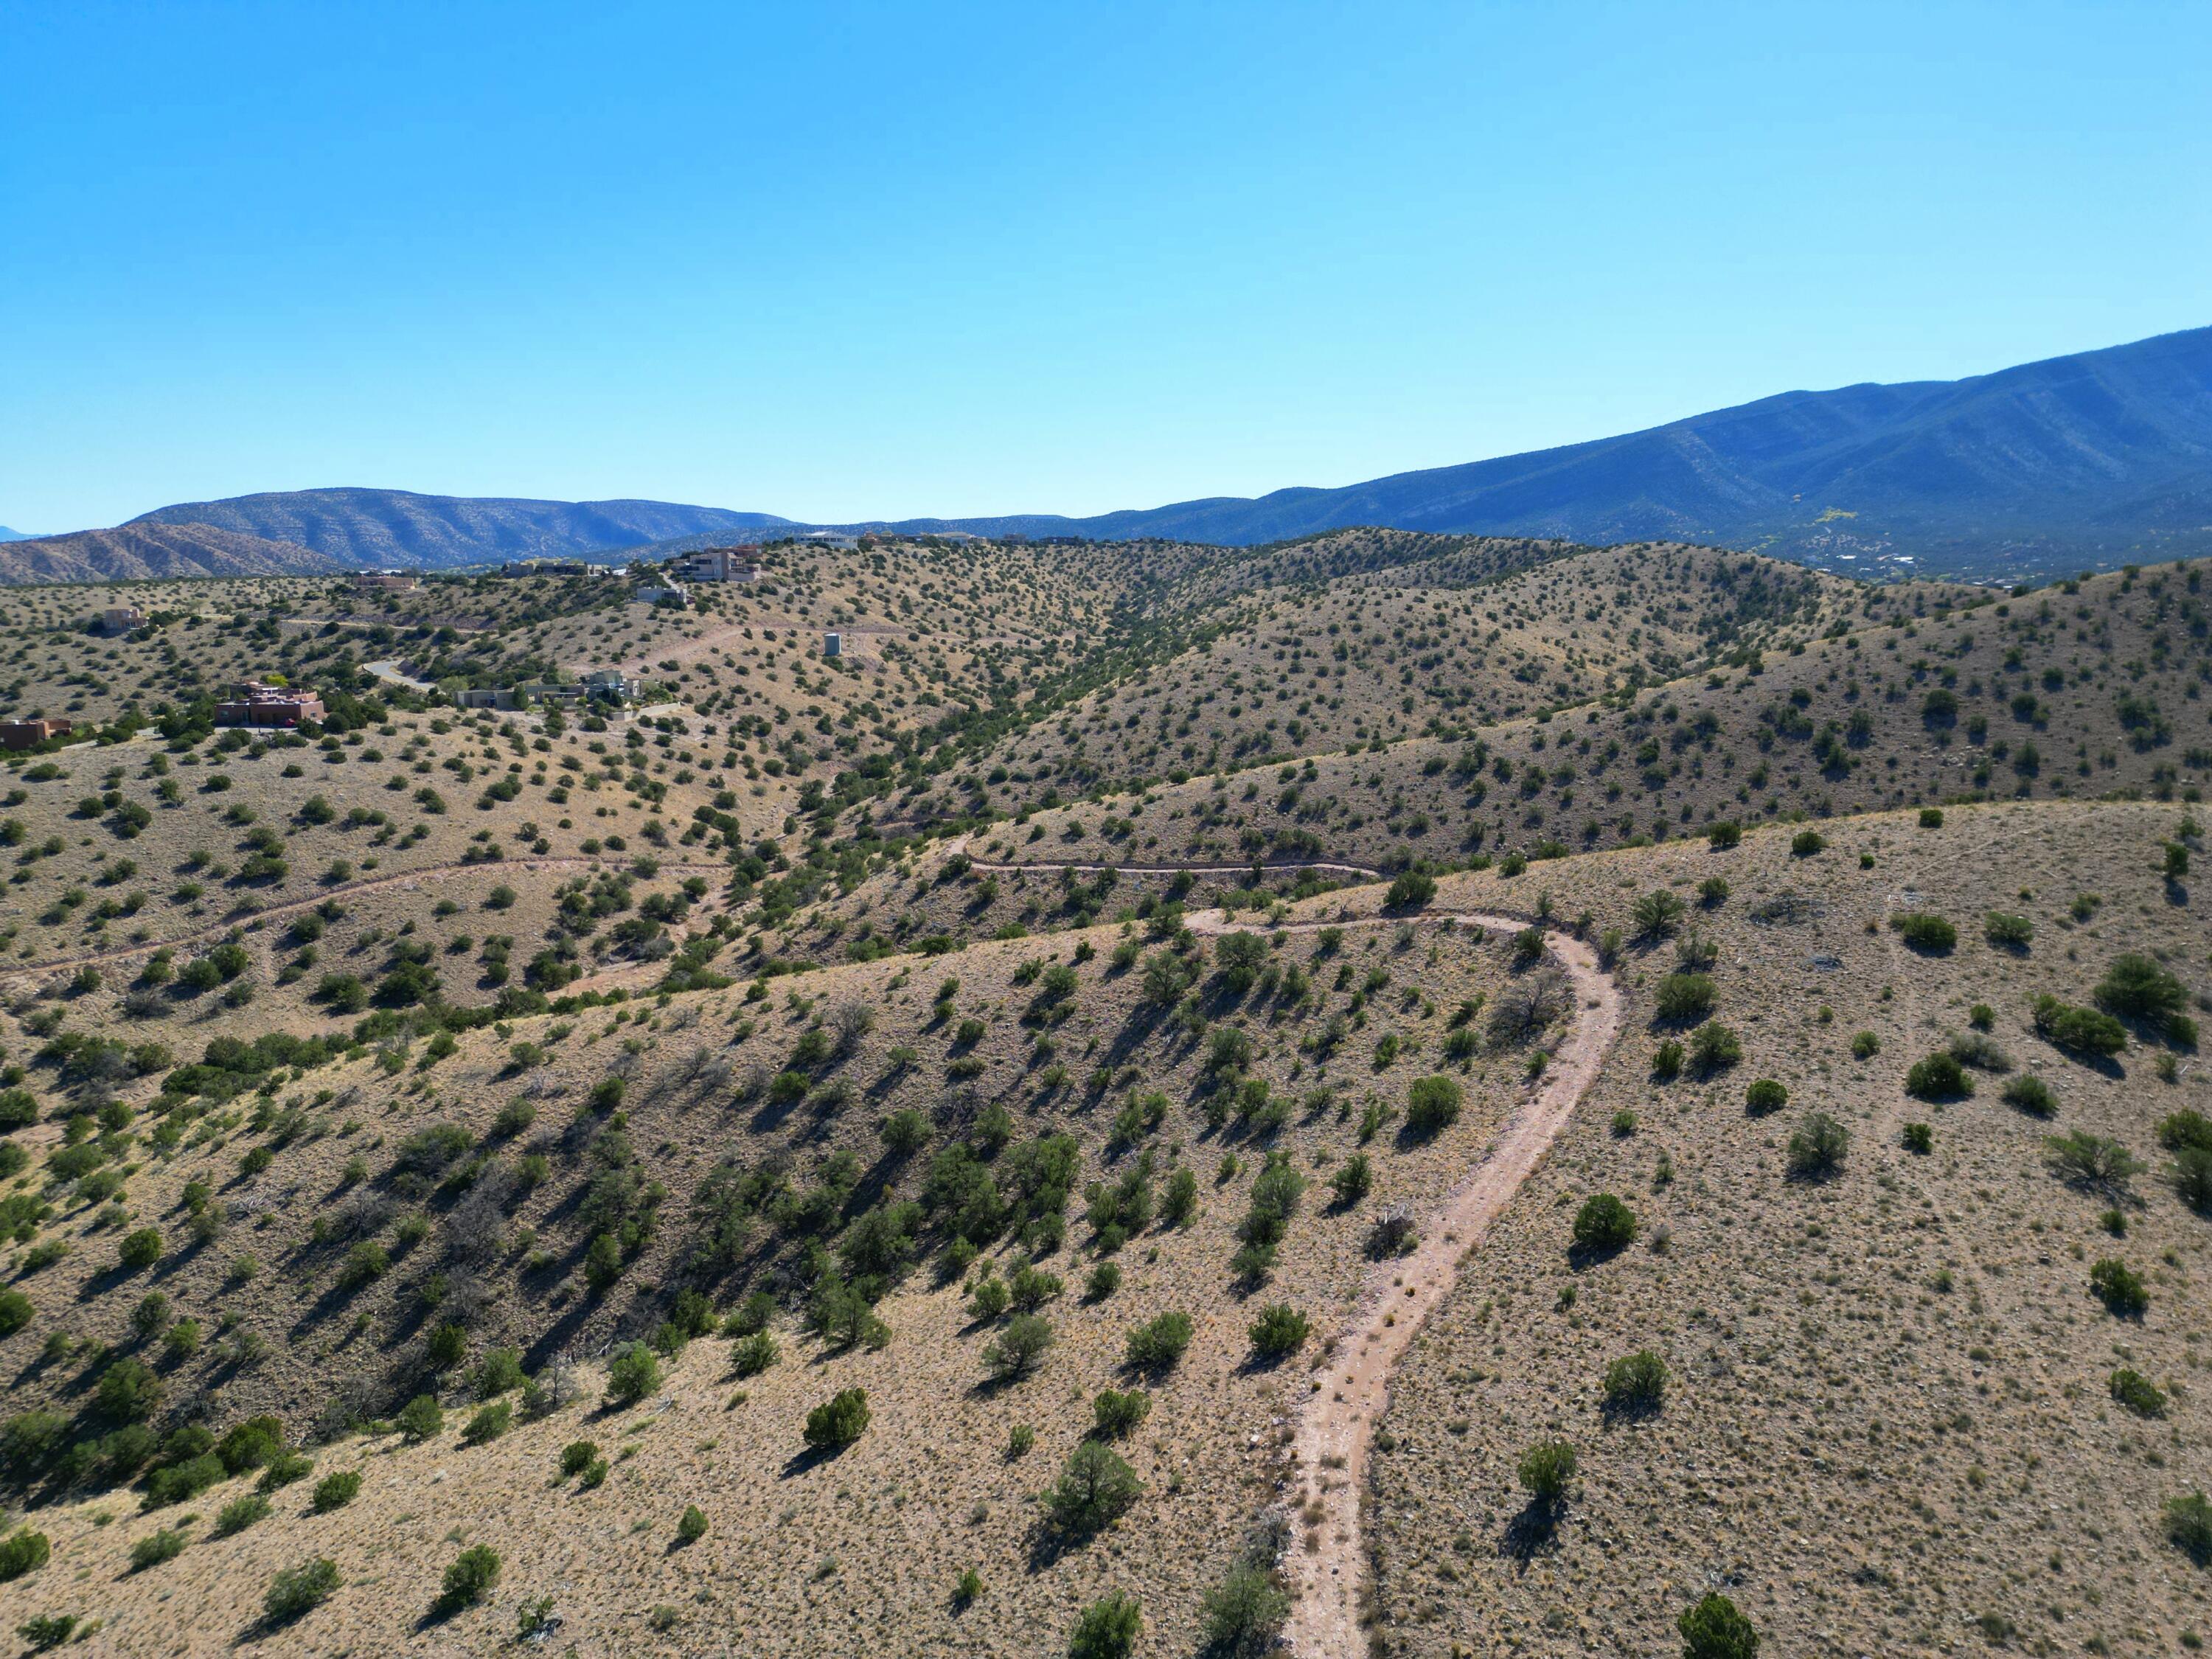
1326,1567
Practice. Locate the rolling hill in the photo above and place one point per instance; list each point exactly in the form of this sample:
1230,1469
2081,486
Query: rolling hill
364,528
142,552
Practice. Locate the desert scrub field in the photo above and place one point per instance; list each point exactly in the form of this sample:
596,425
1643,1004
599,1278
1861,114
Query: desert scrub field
1884,1407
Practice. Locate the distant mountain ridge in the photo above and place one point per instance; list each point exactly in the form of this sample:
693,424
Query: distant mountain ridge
2102,455
2091,459
363,528
144,552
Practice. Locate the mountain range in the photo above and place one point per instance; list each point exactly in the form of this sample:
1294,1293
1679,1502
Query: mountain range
2092,458
143,552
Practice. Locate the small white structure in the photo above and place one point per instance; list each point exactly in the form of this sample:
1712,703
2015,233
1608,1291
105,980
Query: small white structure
671,594
833,644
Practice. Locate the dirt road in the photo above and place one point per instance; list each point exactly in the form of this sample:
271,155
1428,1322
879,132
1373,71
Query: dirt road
1325,1569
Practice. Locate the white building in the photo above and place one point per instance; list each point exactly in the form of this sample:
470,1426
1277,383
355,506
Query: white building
720,564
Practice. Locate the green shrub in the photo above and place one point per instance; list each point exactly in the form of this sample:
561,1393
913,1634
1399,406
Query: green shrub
2008,932
1806,843
1245,1614
156,1548
1764,1096
751,1355
1015,1351
577,1456
632,1374
1107,1629
470,1578
1685,997
1279,1330
1114,1412
2137,1393
488,1423
839,1421
1159,1343
295,1591
1865,1046
2189,1527
1725,833
2084,1030
23,1551
335,1491
1095,1489
421,1419
241,1513
1816,1150
15,1312
1715,1048
1657,913
2093,1162
1410,889
691,1525
1939,1077
1667,1062
1604,1223
2136,988
44,1632
1433,1104
1636,1382
1931,818
2119,1288
498,1372
1931,934
1547,1469
1711,1628
2030,1095
139,1250
1919,1138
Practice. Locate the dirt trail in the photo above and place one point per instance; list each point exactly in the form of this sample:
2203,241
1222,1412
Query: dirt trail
960,846
1326,1567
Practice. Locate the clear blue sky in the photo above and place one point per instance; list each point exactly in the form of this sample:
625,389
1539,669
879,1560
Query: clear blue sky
843,261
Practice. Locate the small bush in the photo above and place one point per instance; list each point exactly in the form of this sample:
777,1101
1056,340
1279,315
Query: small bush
1279,1330
632,1374
1931,818
24,1551
1409,892
1711,1628
1725,833
1636,1382
1013,1354
1094,1490
577,1456
241,1513
1972,1048
1547,1469
1939,1077
751,1355
1107,1629
2091,1162
1816,1150
2030,1095
839,1421
1715,1048
1433,1104
1764,1096
1919,1138
488,1423
2189,1527
297,1591
1865,1046
44,1632
1159,1343
1244,1614
1806,843
1604,1223
470,1578
2120,1288
2137,1393
1685,997
2008,932
335,1491
691,1525
138,1250
421,1419
1930,934
2136,988
1114,1412
2084,1030
156,1548
1666,1061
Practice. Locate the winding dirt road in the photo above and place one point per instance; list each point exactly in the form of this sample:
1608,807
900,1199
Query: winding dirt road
1327,1567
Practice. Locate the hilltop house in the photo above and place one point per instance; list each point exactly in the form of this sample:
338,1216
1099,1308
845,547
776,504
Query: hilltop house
720,564
260,704
122,619
29,734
